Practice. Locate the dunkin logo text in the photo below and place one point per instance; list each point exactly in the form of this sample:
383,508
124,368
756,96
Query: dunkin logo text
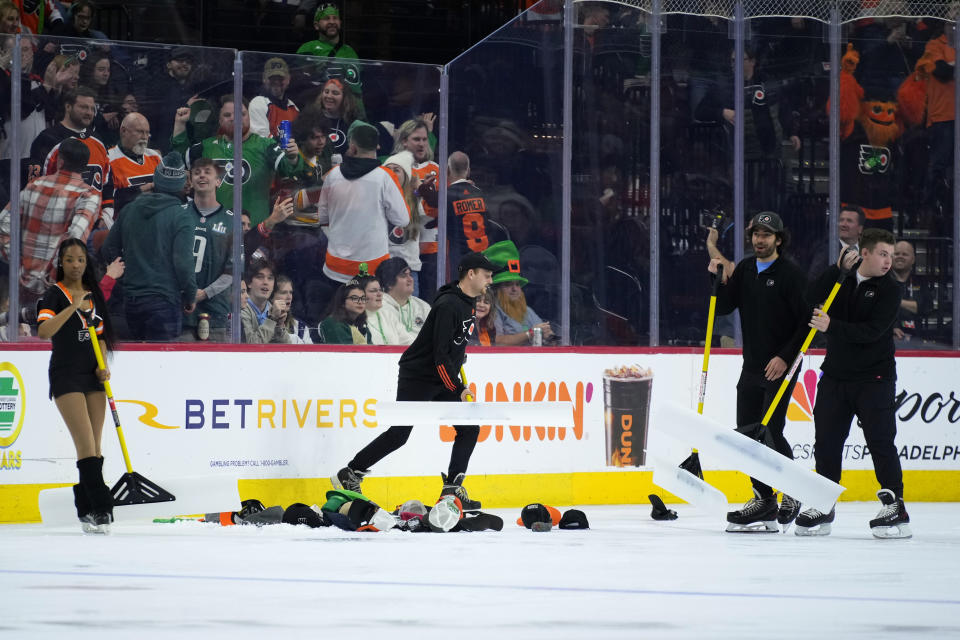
530,392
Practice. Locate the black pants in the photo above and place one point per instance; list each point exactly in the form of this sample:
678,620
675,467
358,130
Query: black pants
754,395
396,436
874,403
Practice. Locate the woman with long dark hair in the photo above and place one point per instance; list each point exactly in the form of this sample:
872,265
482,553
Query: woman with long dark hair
76,382
347,322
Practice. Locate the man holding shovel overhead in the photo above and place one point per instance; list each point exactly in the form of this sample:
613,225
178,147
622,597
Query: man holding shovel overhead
768,289
859,378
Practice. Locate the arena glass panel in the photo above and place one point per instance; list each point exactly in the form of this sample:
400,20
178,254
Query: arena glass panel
124,98
315,101
610,217
696,173
896,161
506,115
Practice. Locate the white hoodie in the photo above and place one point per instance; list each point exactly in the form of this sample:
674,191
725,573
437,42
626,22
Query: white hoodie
406,320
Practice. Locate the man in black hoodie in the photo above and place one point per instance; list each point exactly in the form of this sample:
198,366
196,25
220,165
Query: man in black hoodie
768,289
429,370
859,379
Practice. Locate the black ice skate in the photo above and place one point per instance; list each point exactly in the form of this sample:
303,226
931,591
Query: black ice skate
348,479
96,522
814,522
758,515
455,487
789,510
892,521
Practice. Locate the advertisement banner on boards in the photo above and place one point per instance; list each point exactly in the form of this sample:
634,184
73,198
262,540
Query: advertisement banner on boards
304,414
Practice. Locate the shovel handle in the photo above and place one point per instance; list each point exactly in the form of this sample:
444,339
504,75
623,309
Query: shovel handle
803,350
706,348
463,376
106,386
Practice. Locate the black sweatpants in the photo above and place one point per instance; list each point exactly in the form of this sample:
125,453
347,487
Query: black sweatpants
874,403
396,436
754,395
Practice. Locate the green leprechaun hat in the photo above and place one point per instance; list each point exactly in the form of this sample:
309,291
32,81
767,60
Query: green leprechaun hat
506,256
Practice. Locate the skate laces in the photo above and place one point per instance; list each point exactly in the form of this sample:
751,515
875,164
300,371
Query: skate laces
813,514
889,511
752,506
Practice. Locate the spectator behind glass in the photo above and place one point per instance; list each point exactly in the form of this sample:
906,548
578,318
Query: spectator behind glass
341,107
312,132
155,237
347,322
52,209
326,20
514,320
132,163
165,92
262,157
95,74
414,136
272,106
77,25
915,299
405,240
261,321
9,18
485,331
359,202
32,94
381,330
298,330
213,244
405,312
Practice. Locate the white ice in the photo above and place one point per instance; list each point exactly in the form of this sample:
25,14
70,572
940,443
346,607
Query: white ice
626,577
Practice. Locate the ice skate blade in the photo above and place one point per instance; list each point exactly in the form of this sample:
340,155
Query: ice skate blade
754,527
89,527
889,533
786,526
820,530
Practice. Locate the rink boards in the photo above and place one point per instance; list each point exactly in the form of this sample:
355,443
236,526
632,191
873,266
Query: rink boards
280,421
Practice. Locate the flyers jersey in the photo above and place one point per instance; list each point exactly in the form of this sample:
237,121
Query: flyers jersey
127,172
428,214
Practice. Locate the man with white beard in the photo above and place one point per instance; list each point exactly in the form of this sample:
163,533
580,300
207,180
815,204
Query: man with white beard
131,161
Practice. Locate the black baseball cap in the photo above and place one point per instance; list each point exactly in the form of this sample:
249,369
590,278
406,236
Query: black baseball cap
299,513
574,519
474,260
768,220
533,513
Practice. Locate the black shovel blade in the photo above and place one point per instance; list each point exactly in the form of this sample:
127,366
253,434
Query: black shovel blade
133,488
759,432
692,464
660,511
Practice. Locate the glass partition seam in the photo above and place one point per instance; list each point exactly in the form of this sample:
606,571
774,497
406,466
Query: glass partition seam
568,22
955,298
444,153
654,211
13,313
237,196
833,208
739,103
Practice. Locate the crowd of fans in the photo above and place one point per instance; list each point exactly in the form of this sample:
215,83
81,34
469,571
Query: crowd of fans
340,209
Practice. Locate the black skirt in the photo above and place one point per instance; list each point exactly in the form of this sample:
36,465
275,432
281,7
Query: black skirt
61,383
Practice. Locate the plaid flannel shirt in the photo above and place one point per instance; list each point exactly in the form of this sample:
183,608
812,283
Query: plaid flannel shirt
52,208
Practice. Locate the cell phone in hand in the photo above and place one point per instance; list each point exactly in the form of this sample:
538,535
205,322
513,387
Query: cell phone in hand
713,219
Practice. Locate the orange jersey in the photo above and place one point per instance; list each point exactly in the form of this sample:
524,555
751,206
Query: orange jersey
127,172
428,214
37,15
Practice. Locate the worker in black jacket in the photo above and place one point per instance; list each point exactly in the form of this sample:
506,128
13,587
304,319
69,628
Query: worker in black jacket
429,370
768,289
859,379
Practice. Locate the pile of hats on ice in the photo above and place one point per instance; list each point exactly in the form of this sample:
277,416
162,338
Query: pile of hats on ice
540,517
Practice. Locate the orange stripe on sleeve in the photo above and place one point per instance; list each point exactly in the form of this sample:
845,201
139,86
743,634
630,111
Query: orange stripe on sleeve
45,314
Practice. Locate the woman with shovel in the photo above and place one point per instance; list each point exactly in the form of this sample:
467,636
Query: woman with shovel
76,382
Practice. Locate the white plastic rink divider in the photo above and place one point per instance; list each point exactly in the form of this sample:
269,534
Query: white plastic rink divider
684,484
729,447
199,494
557,414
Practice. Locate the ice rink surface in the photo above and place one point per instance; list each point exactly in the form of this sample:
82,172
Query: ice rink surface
626,577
